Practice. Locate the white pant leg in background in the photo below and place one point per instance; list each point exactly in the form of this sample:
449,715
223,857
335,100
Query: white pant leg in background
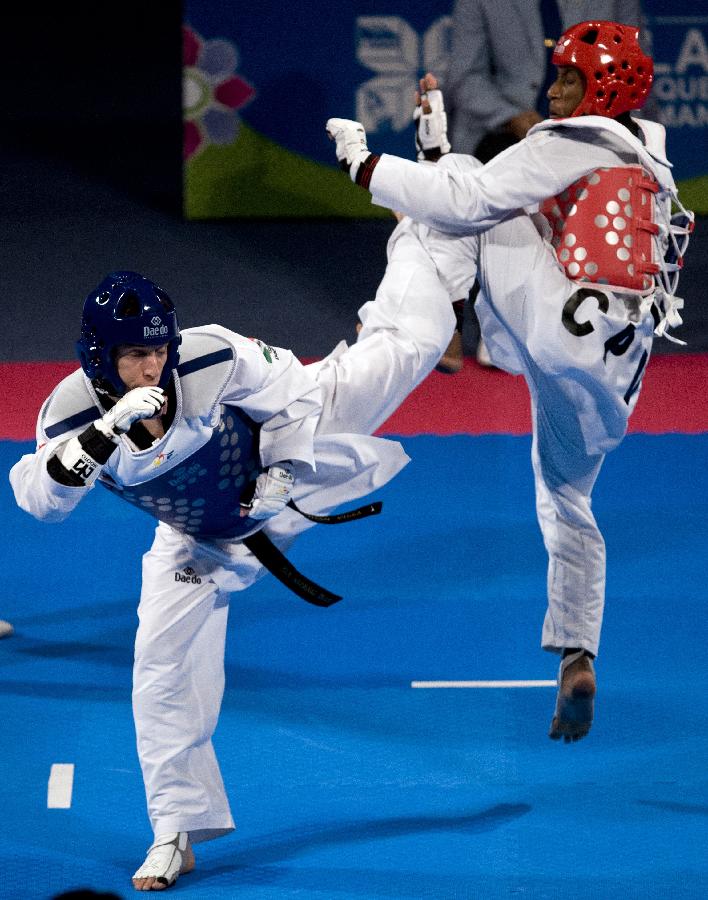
583,355
406,329
564,477
178,685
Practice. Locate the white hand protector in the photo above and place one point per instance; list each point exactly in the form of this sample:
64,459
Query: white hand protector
140,403
431,127
350,139
273,489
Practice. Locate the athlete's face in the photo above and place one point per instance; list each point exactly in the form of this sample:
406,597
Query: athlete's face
140,366
566,92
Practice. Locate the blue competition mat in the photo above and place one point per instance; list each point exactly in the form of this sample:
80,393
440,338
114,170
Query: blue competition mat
344,780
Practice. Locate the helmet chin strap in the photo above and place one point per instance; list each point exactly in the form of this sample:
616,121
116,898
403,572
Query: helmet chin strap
103,387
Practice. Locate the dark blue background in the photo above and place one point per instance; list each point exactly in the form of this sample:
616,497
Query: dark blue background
302,62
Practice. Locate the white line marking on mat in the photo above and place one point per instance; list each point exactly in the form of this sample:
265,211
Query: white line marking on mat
482,684
61,785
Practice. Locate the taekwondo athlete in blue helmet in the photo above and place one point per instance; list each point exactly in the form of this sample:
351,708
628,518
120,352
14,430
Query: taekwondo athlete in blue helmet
221,438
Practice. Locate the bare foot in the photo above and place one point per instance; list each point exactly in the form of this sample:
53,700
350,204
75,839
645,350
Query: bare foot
452,359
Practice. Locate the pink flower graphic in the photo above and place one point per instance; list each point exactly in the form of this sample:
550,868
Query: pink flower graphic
211,93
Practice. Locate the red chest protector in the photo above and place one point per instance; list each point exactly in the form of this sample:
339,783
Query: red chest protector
603,226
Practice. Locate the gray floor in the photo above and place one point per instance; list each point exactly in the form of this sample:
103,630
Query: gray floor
297,284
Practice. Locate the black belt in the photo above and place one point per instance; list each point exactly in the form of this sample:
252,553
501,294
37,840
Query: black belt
371,509
277,564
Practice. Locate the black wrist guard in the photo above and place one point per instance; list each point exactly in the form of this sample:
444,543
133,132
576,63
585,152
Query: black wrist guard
97,444
78,463
62,475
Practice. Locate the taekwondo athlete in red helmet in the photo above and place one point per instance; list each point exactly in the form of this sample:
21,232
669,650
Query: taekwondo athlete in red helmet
578,275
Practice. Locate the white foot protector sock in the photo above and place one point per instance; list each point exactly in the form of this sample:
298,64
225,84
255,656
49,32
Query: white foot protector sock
165,858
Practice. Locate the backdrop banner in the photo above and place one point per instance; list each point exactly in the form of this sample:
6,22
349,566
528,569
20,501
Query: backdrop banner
259,84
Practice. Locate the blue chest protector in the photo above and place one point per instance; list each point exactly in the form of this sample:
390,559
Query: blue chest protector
202,496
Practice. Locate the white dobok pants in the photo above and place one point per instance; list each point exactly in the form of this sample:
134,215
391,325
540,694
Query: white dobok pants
582,352
178,679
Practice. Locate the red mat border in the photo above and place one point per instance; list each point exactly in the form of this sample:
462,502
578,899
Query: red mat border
475,401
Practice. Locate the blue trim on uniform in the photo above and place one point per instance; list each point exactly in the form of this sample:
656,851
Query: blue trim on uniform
85,417
203,362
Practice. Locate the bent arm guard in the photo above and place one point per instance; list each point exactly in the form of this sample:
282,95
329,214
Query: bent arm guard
78,463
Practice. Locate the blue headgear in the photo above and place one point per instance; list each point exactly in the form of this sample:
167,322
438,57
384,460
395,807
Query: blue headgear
125,308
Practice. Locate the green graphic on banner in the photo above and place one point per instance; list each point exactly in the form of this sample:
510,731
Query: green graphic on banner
694,194
254,176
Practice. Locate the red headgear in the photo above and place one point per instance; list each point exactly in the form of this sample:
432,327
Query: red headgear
618,74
